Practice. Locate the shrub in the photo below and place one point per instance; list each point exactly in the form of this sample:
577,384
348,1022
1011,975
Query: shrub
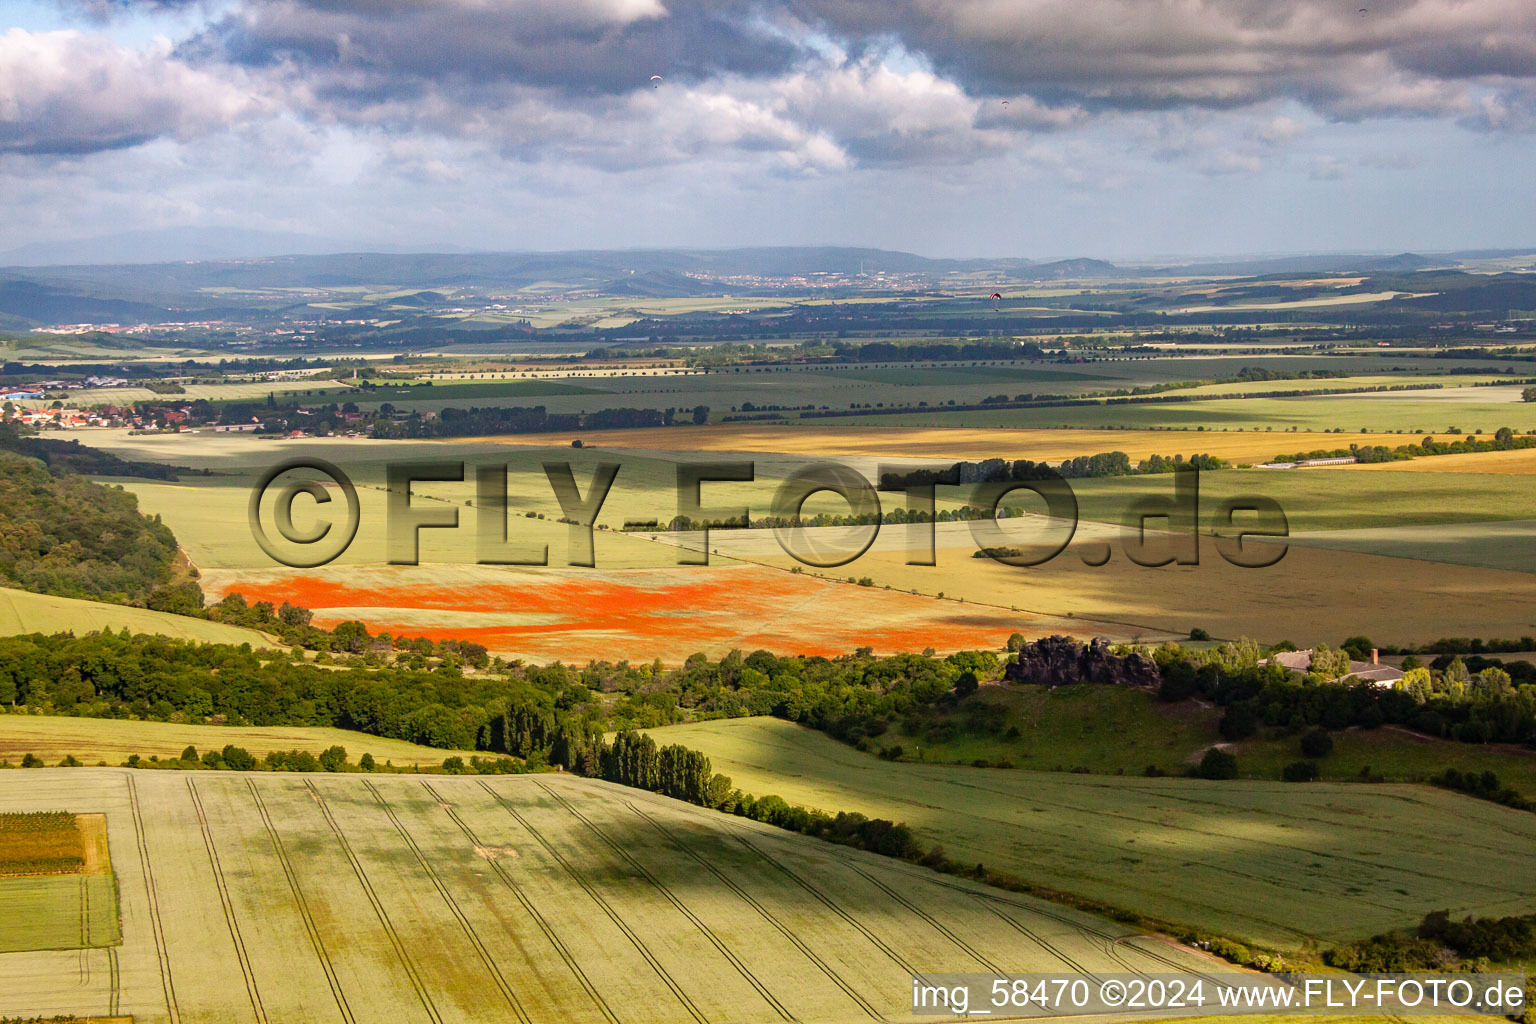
1300,771
1317,743
1239,722
1217,764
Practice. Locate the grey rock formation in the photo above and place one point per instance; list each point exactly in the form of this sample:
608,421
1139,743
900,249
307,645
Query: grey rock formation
1060,661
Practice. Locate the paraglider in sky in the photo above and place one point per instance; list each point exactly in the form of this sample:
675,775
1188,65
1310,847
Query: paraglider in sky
996,301
656,81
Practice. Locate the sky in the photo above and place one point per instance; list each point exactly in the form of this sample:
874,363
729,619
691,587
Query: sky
1027,128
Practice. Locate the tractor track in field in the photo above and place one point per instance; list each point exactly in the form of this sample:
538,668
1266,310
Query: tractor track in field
681,907
167,983
604,906
747,897
401,953
228,904
827,902
315,940
1044,910
538,918
114,980
937,925
442,890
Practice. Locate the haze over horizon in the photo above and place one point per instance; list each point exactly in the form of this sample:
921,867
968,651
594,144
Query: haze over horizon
1041,129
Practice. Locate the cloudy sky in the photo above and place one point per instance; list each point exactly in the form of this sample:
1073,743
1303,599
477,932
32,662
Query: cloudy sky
1038,128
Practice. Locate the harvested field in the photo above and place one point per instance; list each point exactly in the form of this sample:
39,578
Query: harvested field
1269,862
53,737
25,612
1521,462
355,898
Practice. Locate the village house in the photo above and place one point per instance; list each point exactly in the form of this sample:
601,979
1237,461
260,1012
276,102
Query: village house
1373,671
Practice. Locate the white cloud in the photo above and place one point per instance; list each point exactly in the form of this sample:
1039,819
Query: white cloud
68,92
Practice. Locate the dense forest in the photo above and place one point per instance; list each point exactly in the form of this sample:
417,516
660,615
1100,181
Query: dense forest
64,535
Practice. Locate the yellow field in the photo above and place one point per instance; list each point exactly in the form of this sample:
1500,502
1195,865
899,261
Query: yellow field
52,738
1516,463
960,442
25,612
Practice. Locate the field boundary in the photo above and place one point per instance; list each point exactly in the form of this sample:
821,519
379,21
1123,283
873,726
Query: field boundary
778,926
827,901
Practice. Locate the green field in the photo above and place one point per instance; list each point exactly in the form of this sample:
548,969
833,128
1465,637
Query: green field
58,912
90,740
530,899
1281,865
22,611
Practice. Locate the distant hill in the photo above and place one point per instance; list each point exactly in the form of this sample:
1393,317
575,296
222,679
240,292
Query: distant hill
658,284
1328,263
1074,268
32,304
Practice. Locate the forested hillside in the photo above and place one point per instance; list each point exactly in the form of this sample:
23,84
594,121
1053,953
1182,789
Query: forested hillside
67,536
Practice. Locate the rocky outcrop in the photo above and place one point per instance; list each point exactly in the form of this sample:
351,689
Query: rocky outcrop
1060,660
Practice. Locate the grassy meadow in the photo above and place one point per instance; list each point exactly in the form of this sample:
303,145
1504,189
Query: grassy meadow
528,898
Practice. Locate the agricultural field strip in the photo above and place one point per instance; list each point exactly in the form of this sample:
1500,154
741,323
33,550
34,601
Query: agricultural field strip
51,737
1074,925
389,928
1110,943
228,905
762,911
469,930
1086,838
151,896
317,942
